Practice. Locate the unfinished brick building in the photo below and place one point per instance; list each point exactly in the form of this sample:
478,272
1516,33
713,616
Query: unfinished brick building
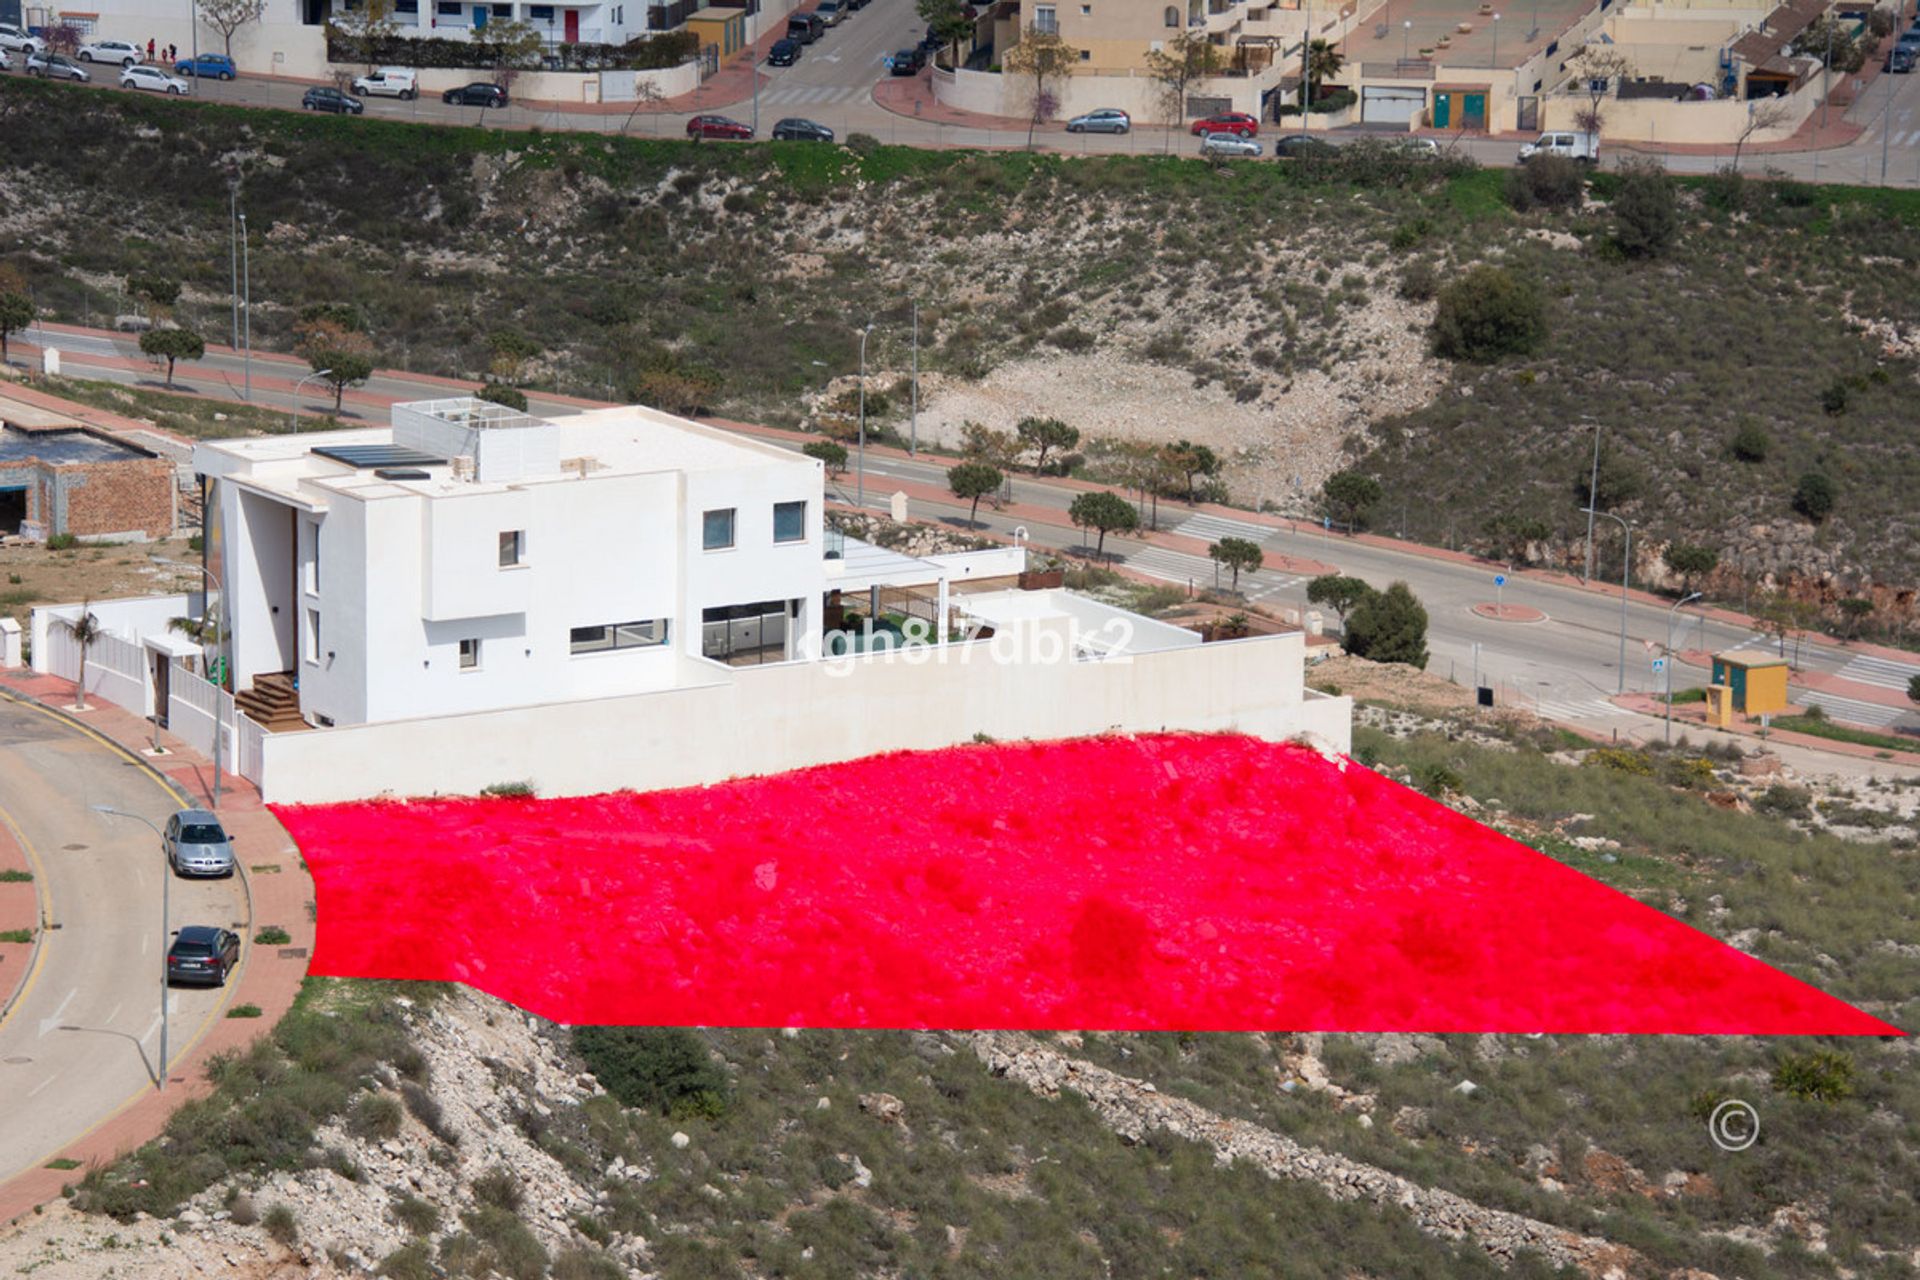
58,475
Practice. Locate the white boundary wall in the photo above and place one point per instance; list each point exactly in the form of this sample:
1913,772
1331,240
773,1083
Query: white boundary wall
759,720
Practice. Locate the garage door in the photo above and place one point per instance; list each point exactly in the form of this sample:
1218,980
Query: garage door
1391,104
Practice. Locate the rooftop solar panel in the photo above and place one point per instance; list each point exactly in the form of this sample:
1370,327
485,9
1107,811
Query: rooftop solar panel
361,457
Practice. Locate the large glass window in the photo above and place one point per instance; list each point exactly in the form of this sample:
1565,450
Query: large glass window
789,522
609,636
513,547
741,634
716,531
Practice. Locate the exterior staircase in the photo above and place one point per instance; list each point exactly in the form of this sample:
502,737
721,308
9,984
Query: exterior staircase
272,703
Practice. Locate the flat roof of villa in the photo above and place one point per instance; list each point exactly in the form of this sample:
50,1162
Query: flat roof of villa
1525,27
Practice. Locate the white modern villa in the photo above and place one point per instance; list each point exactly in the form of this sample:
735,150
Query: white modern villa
615,599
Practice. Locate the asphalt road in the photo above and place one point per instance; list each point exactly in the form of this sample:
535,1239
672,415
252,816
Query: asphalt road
83,1039
833,80
1566,666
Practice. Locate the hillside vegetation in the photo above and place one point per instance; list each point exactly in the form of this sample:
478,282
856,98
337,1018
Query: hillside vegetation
1278,312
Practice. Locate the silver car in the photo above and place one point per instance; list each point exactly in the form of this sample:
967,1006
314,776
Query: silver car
197,845
58,66
1226,144
1104,120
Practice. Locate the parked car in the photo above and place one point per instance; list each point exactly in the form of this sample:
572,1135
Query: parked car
1237,123
1104,120
197,845
109,51
214,66
203,954
1227,144
1584,147
153,78
1418,145
19,41
328,98
795,129
907,62
57,65
388,82
6,60
478,94
717,127
785,52
1900,61
831,12
805,27
1302,146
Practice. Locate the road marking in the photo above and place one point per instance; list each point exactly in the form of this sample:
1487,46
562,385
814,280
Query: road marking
43,1084
1179,567
1213,528
116,1013
52,1020
43,890
1853,710
1573,708
1882,672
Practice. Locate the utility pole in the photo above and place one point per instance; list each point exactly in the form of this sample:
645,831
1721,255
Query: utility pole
1826,86
913,423
1669,657
1626,576
1593,500
233,255
860,480
246,289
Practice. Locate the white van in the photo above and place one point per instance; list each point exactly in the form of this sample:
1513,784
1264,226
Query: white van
387,82
1584,147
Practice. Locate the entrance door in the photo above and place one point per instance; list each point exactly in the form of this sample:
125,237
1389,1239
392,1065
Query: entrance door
573,26
1442,110
479,17
1391,104
162,671
1473,110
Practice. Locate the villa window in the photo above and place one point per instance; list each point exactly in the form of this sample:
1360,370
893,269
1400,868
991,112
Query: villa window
1172,16
312,637
789,522
607,637
513,547
716,530
1045,20
469,655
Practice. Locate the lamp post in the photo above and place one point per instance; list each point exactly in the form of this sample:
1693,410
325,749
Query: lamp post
913,422
1686,599
166,889
293,410
217,725
1406,40
1496,53
860,480
246,305
233,254
1626,574
1593,500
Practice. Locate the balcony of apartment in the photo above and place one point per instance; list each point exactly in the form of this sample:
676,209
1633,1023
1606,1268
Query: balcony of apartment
1215,17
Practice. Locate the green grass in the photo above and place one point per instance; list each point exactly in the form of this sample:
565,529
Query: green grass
16,935
14,875
273,936
244,1011
62,1163
1821,727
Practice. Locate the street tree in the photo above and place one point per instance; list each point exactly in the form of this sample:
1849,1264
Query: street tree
1855,610
1042,61
86,629
228,17
1043,435
171,344
1192,460
1598,67
947,20
1348,496
1913,689
1339,593
1176,67
1832,44
1146,469
1690,562
830,453
981,443
1105,511
646,94
972,481
1389,627
1237,554
1762,114
16,307
343,357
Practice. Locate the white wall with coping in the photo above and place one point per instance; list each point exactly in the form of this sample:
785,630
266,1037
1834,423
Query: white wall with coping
1137,94
760,720
129,618
1717,123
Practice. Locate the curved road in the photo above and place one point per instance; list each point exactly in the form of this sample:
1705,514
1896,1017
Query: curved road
82,1040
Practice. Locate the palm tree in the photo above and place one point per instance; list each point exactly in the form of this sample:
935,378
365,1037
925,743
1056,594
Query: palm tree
1323,63
86,630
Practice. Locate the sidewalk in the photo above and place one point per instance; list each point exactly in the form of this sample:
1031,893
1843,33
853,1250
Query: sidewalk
1692,718
19,909
279,890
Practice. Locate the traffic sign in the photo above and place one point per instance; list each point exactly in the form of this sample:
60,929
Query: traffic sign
1659,665
1499,579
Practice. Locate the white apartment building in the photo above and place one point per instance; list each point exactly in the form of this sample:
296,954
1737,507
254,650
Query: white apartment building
470,557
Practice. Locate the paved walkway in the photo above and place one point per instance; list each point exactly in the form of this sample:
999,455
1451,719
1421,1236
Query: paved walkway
19,909
280,892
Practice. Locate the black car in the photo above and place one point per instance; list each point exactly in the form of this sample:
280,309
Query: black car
320,98
478,94
1900,61
1302,146
201,953
794,129
908,62
784,53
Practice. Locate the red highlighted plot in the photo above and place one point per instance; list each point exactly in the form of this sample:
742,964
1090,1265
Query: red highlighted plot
1162,882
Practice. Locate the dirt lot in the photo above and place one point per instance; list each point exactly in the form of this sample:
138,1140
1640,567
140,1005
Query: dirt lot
36,575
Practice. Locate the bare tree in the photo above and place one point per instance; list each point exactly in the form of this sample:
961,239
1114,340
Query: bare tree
1598,66
645,95
1761,114
1185,60
1043,60
228,16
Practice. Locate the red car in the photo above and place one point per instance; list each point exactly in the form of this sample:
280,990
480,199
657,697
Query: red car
1237,123
716,127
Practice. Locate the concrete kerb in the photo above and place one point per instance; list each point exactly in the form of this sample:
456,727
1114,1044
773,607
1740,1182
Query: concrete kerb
271,988
14,848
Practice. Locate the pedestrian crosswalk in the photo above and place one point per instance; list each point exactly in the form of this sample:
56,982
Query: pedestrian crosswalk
812,94
1882,672
1199,571
1571,706
1214,528
1852,710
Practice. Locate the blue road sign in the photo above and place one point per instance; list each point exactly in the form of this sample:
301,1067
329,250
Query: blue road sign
1499,579
1659,665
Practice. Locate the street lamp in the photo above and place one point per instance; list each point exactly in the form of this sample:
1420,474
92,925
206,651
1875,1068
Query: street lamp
1686,599
217,725
1593,500
246,304
1626,574
860,481
1406,40
293,410
166,888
